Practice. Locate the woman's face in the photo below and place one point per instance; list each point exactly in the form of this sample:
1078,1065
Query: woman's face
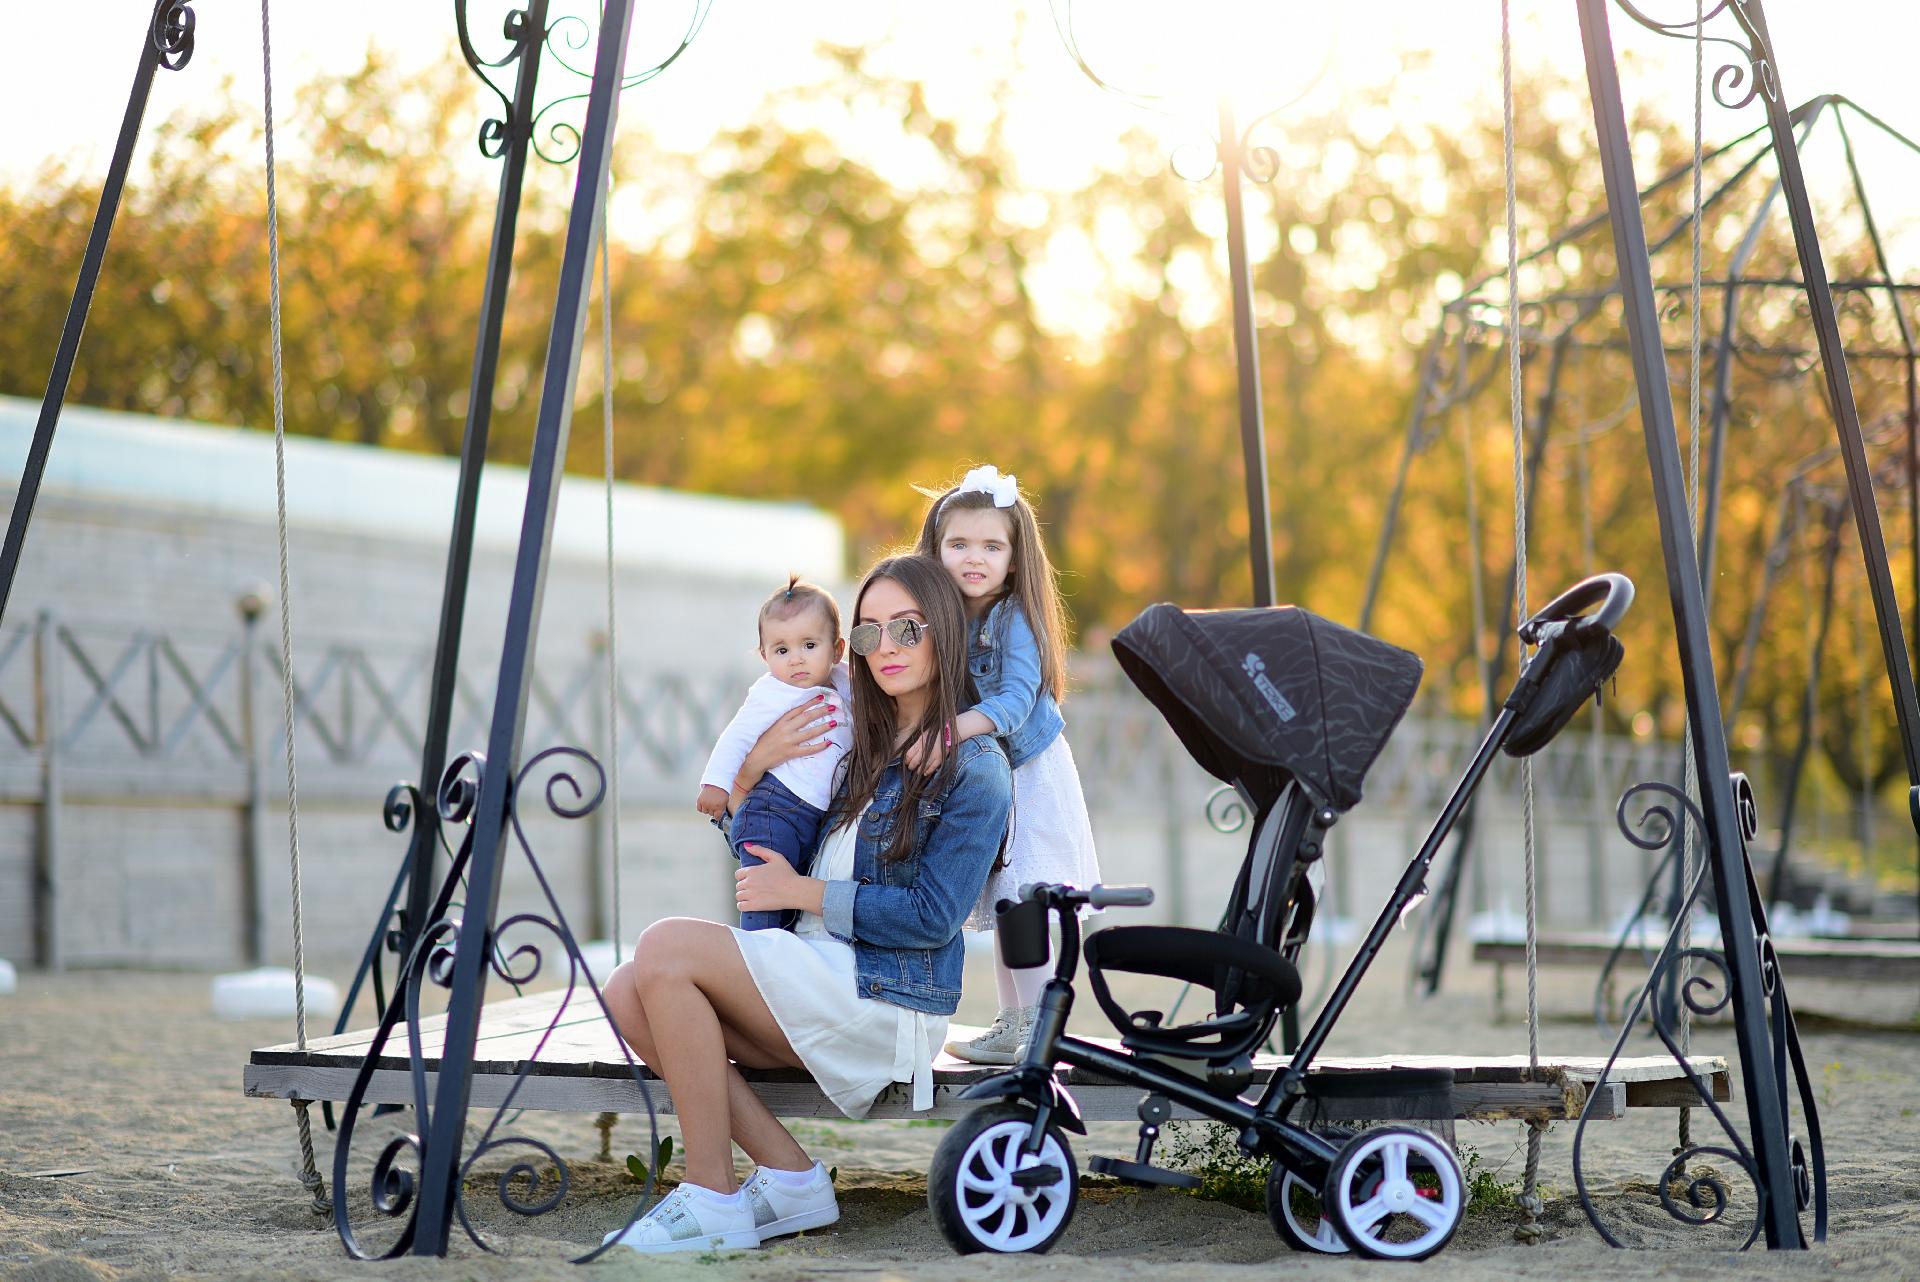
897,669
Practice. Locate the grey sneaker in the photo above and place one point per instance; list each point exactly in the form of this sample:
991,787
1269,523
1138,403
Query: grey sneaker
1004,1042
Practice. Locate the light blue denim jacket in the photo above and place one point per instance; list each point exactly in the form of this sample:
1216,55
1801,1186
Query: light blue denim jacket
903,918
1004,657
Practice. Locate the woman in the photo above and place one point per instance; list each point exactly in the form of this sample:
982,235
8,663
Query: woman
859,991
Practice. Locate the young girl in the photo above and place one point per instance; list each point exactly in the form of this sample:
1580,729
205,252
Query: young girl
986,536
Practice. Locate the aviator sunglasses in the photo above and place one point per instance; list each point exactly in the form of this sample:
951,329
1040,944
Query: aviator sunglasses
865,638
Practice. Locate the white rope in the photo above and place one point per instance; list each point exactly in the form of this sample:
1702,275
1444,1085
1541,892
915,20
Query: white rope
309,1173
1530,1229
1691,780
613,650
605,1122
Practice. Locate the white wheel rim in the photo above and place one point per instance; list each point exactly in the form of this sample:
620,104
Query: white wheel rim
999,1214
1323,1236
1397,1194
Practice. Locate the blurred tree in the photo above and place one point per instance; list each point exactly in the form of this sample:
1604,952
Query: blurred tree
804,326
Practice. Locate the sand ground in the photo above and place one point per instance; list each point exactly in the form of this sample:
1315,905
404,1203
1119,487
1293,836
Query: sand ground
128,1151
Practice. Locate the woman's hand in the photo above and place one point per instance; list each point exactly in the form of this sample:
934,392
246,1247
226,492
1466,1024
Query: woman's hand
772,885
798,733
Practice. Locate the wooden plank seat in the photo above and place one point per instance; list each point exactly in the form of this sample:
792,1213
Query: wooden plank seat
580,1069
1851,961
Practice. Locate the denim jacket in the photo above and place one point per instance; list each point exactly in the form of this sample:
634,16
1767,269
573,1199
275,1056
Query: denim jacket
903,918
1004,658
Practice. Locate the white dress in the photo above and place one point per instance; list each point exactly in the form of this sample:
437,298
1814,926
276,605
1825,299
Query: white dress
854,1046
1052,838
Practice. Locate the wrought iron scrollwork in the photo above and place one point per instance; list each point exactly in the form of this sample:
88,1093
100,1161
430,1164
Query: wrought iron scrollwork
172,32
1690,1192
539,1179
1749,77
564,39
1226,809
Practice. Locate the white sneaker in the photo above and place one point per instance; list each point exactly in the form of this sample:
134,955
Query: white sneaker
1004,1042
692,1218
783,1205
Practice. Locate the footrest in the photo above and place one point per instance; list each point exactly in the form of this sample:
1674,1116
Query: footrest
1140,1173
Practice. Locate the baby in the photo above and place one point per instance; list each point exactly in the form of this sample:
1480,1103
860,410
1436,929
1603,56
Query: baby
801,645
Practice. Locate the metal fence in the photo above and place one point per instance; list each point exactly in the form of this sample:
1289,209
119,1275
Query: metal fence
100,716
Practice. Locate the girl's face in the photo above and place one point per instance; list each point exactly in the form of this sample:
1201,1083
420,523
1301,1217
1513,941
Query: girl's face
901,672
976,546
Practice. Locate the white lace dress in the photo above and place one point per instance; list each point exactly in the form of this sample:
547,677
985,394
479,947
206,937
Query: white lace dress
854,1046
1052,838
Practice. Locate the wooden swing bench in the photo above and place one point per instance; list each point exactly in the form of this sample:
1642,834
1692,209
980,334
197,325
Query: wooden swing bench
1849,961
581,1070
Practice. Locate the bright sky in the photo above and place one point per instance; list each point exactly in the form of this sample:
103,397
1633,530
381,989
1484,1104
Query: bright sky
1062,128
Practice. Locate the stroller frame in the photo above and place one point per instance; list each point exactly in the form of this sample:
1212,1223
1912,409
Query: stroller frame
1266,1126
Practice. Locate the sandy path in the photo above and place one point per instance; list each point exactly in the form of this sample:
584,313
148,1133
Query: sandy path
126,1080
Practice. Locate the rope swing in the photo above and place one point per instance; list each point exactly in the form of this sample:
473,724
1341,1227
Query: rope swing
309,1173
1691,780
605,1122
1530,1229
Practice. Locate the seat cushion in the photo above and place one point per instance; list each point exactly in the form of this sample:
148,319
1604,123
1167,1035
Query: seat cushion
1207,958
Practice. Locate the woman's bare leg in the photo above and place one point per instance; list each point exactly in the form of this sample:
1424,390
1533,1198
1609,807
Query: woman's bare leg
690,977
754,1127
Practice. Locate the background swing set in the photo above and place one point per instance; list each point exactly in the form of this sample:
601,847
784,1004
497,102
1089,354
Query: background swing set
548,1051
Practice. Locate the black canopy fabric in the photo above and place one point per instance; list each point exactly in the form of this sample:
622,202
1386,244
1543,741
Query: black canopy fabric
1256,692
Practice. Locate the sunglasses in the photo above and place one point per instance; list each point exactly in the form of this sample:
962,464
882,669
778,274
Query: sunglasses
865,638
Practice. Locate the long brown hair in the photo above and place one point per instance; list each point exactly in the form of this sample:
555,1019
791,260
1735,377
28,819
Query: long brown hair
876,723
1031,579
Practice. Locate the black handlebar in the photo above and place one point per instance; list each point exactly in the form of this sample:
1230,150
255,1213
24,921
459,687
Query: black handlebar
1613,593
1092,896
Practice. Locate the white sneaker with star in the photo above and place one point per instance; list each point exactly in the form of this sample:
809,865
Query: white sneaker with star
692,1218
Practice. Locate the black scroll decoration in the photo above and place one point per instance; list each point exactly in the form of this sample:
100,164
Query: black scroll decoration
566,38
1700,1196
539,1180
172,33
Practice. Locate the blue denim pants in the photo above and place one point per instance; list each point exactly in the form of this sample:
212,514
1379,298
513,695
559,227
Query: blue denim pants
773,818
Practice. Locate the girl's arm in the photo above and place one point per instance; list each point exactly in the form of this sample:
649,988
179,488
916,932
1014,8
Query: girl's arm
953,865
1011,703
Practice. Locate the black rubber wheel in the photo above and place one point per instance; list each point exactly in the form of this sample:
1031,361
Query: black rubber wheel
1293,1208
1395,1193
974,1194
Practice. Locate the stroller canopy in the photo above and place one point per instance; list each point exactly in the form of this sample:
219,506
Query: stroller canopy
1252,692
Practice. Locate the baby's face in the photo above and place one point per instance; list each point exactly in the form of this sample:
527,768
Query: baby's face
802,650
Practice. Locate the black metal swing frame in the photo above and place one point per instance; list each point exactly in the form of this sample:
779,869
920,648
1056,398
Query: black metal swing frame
1762,1019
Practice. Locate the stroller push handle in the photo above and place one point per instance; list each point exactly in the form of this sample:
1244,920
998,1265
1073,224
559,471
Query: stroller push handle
1613,593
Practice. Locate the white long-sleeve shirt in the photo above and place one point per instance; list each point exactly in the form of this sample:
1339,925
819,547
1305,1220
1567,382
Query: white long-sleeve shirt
769,699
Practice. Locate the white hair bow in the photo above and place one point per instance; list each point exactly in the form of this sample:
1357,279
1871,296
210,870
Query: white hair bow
987,480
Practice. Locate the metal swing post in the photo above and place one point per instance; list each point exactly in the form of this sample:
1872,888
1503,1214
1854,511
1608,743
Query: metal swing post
1751,15
1766,1105
441,1161
513,134
1253,428
167,41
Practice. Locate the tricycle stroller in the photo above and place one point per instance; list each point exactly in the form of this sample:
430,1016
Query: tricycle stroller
1291,710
